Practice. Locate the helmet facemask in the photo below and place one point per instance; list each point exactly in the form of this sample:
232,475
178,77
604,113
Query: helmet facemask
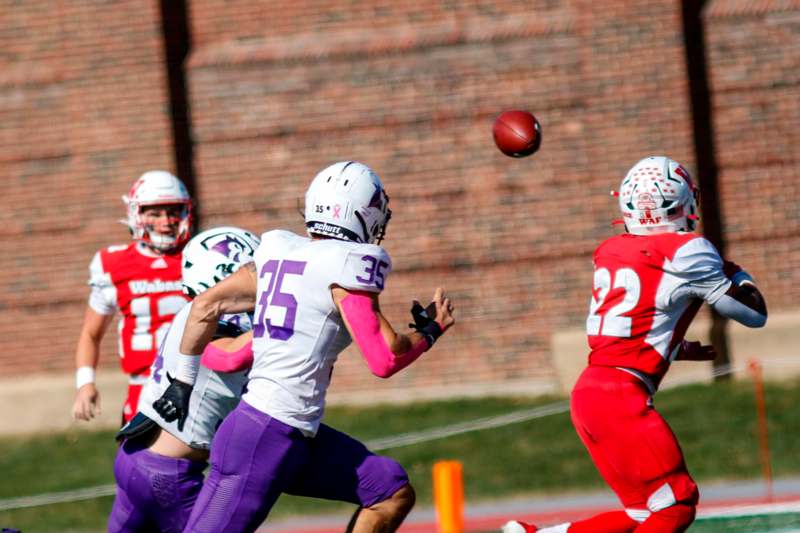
148,233
379,214
380,234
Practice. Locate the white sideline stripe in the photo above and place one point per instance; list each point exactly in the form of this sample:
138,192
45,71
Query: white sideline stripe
396,441
515,417
58,497
416,437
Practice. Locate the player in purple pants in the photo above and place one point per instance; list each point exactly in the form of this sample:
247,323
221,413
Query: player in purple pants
159,466
154,492
312,296
256,457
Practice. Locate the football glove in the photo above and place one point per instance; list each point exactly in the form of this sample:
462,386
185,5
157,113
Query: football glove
737,274
695,351
227,329
424,324
174,403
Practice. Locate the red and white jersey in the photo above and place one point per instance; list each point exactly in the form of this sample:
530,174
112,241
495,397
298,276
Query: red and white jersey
647,290
147,291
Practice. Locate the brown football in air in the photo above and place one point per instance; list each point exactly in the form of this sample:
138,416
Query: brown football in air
517,133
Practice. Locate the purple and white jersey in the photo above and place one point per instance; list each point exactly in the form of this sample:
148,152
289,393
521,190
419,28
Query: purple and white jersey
298,332
215,394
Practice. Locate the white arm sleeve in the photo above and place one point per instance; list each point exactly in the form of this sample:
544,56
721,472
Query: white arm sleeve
732,308
365,268
103,295
699,267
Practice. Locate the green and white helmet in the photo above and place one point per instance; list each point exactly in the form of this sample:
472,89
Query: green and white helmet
215,254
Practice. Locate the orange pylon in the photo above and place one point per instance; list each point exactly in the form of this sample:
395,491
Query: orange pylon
763,432
448,496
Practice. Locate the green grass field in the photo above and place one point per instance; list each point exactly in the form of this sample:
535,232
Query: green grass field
715,424
782,522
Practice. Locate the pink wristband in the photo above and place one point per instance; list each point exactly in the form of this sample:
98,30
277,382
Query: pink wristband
222,361
366,327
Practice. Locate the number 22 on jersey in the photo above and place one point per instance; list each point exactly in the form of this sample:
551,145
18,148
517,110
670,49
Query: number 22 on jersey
612,297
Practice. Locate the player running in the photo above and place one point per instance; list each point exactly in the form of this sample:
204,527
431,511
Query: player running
143,281
159,466
311,295
648,285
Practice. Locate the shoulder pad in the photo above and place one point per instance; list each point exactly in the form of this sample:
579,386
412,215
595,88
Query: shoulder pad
117,248
365,268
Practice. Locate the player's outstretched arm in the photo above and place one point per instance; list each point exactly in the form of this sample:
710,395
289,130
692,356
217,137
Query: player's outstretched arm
385,350
743,301
234,294
87,355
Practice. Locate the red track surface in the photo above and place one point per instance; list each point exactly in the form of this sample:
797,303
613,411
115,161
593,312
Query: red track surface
491,522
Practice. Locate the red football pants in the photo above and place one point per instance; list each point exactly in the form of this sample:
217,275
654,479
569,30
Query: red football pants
131,405
631,445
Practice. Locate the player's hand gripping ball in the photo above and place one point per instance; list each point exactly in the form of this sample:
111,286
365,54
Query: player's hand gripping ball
517,133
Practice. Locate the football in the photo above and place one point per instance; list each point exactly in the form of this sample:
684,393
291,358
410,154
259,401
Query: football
517,133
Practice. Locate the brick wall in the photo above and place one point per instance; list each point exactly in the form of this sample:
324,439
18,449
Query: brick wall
82,108
412,92
279,90
754,53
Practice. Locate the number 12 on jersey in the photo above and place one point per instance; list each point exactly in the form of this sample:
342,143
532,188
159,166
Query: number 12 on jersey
273,297
610,321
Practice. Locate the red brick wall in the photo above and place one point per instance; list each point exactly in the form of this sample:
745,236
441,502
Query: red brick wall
82,113
412,92
279,90
754,53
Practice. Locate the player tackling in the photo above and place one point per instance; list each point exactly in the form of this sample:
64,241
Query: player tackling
648,285
312,296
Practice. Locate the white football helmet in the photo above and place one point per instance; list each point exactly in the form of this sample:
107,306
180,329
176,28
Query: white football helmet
158,187
347,201
213,255
658,196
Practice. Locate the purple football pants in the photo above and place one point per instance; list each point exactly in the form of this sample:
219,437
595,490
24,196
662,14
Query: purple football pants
254,458
154,493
